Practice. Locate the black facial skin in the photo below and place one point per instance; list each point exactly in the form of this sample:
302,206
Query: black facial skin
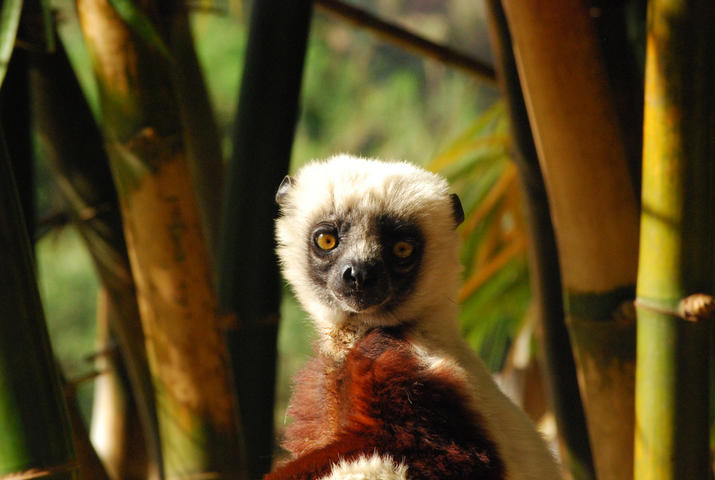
379,282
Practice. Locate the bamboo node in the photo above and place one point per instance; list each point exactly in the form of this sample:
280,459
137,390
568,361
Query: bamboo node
697,307
693,308
42,472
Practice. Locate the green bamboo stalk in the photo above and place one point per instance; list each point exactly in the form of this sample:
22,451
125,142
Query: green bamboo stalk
35,432
677,258
249,286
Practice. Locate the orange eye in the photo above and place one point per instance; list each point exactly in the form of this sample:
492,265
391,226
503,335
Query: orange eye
326,241
403,249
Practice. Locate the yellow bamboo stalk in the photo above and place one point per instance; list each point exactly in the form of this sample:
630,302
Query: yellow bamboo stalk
167,250
557,356
677,260
593,208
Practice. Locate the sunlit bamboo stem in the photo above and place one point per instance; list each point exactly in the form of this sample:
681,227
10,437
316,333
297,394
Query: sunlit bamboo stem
676,247
558,360
148,148
593,206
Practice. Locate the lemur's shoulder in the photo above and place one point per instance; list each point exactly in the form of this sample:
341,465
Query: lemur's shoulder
312,408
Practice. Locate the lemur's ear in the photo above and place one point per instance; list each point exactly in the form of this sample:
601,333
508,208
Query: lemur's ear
284,188
457,209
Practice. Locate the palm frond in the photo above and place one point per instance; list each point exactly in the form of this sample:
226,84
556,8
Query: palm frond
495,293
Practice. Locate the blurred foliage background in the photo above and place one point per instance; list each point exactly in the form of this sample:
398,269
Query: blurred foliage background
360,95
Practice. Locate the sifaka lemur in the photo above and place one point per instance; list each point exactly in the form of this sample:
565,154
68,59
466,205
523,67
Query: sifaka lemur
371,251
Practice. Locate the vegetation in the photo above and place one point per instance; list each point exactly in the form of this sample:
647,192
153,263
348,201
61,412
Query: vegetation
34,422
184,305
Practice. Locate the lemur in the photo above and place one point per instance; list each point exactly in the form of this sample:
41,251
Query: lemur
371,251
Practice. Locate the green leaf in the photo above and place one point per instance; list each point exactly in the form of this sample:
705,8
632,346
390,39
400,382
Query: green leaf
492,316
473,163
140,24
34,427
464,143
9,21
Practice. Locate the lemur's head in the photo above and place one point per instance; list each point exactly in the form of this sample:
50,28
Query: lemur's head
369,242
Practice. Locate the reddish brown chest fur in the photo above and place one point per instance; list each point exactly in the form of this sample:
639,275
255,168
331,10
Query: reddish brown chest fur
315,407
383,399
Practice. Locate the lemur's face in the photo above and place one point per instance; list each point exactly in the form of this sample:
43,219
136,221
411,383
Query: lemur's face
365,263
368,242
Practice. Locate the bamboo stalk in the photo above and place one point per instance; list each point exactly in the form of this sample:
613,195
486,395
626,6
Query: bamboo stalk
15,119
593,207
73,145
90,465
116,431
677,237
620,28
201,136
249,285
167,250
561,379
35,432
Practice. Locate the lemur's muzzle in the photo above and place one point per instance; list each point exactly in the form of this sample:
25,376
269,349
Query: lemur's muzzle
362,284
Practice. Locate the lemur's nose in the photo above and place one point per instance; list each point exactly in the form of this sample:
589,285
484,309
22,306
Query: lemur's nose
361,274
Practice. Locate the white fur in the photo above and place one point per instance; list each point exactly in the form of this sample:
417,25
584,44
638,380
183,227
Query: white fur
344,183
375,467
